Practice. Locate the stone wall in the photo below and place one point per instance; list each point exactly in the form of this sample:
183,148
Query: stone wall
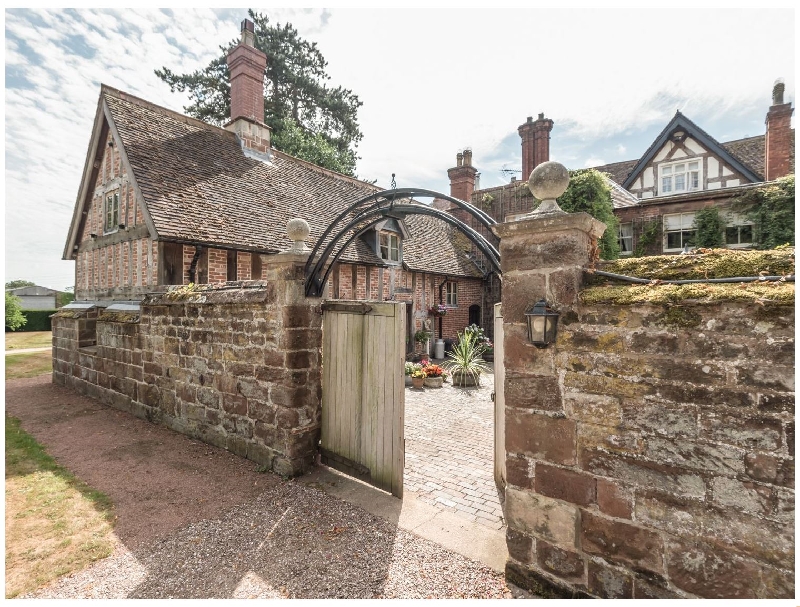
658,461
234,367
650,450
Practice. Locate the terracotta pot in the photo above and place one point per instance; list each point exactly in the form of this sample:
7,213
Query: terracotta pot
418,382
434,382
462,379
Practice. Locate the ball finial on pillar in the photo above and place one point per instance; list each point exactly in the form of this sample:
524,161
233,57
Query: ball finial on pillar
547,182
298,230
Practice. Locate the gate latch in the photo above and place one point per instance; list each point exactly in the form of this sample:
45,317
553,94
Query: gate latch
492,396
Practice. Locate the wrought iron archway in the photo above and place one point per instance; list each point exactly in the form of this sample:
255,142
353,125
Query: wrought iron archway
365,213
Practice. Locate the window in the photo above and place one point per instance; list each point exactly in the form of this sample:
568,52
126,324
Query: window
739,232
678,231
390,246
625,238
111,212
451,294
232,265
679,177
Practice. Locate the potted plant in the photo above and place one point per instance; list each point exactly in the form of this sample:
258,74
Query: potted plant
465,364
433,376
409,369
483,342
418,379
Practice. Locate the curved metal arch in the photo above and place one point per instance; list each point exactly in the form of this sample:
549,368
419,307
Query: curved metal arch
315,284
388,197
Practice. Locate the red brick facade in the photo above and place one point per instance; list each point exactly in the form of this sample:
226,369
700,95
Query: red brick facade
246,65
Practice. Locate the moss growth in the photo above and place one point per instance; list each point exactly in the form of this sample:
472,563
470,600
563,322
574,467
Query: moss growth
711,263
676,316
114,316
777,293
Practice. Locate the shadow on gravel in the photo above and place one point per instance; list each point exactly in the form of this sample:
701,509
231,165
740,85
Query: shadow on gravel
201,522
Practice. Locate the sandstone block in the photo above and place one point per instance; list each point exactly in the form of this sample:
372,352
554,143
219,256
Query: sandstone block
541,517
541,437
520,546
565,564
710,573
613,500
609,582
621,542
538,392
564,484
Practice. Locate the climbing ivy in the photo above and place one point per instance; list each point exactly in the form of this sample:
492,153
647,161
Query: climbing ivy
771,209
649,236
709,228
588,191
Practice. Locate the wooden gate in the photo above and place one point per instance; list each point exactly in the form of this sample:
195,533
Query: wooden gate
363,391
499,400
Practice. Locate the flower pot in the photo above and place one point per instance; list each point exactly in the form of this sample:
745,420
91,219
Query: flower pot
488,356
462,379
408,380
434,382
418,382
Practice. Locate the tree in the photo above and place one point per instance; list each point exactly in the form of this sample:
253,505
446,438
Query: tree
771,209
14,317
15,284
309,119
589,191
709,228
66,296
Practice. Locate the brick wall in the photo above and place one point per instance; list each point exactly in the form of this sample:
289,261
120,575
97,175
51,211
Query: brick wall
241,370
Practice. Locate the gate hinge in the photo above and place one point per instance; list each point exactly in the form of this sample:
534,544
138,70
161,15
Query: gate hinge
492,396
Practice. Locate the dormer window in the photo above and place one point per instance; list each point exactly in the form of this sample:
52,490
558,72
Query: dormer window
680,177
390,246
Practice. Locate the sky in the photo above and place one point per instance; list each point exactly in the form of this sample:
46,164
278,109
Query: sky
432,82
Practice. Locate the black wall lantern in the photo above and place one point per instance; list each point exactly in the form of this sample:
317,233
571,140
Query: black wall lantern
542,324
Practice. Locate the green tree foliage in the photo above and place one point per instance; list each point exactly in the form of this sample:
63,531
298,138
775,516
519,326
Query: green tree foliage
66,296
14,317
16,284
709,228
589,192
771,209
309,119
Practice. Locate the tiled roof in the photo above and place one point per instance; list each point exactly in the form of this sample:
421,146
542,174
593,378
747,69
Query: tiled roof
749,151
619,171
200,187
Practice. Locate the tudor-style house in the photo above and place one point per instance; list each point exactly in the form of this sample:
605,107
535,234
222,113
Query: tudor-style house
684,170
166,199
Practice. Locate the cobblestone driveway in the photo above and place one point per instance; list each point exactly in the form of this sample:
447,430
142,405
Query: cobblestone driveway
449,450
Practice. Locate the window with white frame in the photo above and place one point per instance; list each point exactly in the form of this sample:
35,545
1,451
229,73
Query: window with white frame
451,294
679,177
738,231
679,231
390,246
625,238
111,212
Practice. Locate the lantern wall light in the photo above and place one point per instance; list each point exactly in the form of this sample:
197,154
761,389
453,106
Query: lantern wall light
542,324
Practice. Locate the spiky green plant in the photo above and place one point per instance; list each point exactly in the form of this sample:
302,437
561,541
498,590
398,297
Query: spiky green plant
465,357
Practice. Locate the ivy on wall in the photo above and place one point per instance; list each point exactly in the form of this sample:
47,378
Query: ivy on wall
771,209
709,228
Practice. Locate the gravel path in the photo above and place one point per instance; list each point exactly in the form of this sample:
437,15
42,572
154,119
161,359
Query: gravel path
256,536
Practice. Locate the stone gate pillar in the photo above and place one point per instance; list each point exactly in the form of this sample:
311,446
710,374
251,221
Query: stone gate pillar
296,386
542,257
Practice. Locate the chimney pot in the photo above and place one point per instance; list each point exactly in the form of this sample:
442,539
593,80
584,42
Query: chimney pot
777,92
459,159
541,115
248,25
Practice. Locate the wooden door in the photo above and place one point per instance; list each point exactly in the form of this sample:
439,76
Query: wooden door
363,391
499,400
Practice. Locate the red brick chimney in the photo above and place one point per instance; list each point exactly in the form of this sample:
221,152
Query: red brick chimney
462,176
778,144
246,67
535,143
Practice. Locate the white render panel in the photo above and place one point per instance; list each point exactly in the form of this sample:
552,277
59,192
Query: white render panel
647,177
694,146
726,171
679,153
713,185
647,194
732,182
637,185
713,168
662,153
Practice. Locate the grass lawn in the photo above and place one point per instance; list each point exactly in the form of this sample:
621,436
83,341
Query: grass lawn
55,524
28,339
28,365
